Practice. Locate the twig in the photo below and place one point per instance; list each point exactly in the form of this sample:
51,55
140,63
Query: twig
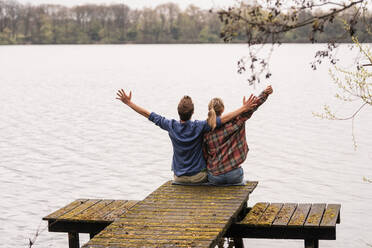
355,113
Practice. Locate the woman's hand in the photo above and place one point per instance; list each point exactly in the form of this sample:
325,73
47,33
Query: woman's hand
250,103
268,90
124,97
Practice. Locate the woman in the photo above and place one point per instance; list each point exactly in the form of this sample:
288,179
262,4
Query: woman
225,148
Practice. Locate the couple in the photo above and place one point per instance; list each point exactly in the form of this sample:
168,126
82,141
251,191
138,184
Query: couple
210,150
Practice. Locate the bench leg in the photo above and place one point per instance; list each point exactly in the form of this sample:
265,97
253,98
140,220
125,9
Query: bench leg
311,243
73,240
238,243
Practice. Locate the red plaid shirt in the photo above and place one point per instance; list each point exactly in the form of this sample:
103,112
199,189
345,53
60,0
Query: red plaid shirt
225,148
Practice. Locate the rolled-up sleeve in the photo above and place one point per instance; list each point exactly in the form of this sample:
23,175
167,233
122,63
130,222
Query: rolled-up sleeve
160,121
218,122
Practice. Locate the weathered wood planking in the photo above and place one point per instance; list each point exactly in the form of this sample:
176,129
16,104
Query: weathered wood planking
106,211
79,209
331,215
95,209
285,214
176,216
315,215
271,212
65,209
300,215
91,210
119,211
255,214
311,222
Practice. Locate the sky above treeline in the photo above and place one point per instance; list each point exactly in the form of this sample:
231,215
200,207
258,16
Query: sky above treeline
138,4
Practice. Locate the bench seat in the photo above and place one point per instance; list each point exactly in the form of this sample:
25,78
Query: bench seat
310,222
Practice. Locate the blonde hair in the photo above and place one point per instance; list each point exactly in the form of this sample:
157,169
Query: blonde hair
215,108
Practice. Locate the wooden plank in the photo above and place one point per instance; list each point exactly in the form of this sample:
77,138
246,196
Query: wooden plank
116,213
197,216
78,209
255,214
96,208
107,210
160,235
65,209
146,243
269,215
159,231
114,227
174,205
315,215
285,214
177,211
331,215
299,216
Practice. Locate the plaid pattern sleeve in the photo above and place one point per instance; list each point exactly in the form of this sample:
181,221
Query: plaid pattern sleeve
225,148
261,99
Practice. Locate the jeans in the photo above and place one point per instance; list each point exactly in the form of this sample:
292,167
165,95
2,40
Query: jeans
232,177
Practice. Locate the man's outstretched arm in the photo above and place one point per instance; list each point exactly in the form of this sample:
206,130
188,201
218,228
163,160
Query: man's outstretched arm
126,99
247,105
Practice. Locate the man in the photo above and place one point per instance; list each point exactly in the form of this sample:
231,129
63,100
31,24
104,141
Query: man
188,163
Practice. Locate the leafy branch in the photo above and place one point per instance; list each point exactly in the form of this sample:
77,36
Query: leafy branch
268,23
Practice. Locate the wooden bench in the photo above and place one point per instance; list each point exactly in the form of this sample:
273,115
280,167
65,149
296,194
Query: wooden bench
310,222
86,216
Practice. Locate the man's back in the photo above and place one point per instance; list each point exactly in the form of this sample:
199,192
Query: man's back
187,138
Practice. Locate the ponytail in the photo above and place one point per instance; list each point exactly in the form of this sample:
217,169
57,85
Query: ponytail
215,108
212,118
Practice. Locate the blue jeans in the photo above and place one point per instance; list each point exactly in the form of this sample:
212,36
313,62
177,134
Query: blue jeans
232,177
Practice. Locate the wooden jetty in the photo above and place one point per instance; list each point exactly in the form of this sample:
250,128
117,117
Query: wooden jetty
192,216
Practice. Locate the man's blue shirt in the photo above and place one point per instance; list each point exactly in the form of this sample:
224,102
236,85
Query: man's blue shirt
187,139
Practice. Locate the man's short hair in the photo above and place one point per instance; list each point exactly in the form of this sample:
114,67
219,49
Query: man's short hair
185,108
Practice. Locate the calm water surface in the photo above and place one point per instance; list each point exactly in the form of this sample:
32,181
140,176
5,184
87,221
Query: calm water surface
64,136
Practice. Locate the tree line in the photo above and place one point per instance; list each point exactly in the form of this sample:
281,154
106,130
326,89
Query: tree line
119,24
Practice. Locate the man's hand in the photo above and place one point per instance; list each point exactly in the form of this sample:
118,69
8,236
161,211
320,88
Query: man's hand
250,103
268,90
124,97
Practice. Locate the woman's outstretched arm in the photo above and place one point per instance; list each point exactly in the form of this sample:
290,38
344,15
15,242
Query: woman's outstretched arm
247,105
260,100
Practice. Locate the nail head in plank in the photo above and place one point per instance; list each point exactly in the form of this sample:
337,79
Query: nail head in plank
331,215
299,216
315,215
285,214
269,215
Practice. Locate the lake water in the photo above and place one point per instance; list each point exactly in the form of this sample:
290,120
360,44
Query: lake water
63,135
